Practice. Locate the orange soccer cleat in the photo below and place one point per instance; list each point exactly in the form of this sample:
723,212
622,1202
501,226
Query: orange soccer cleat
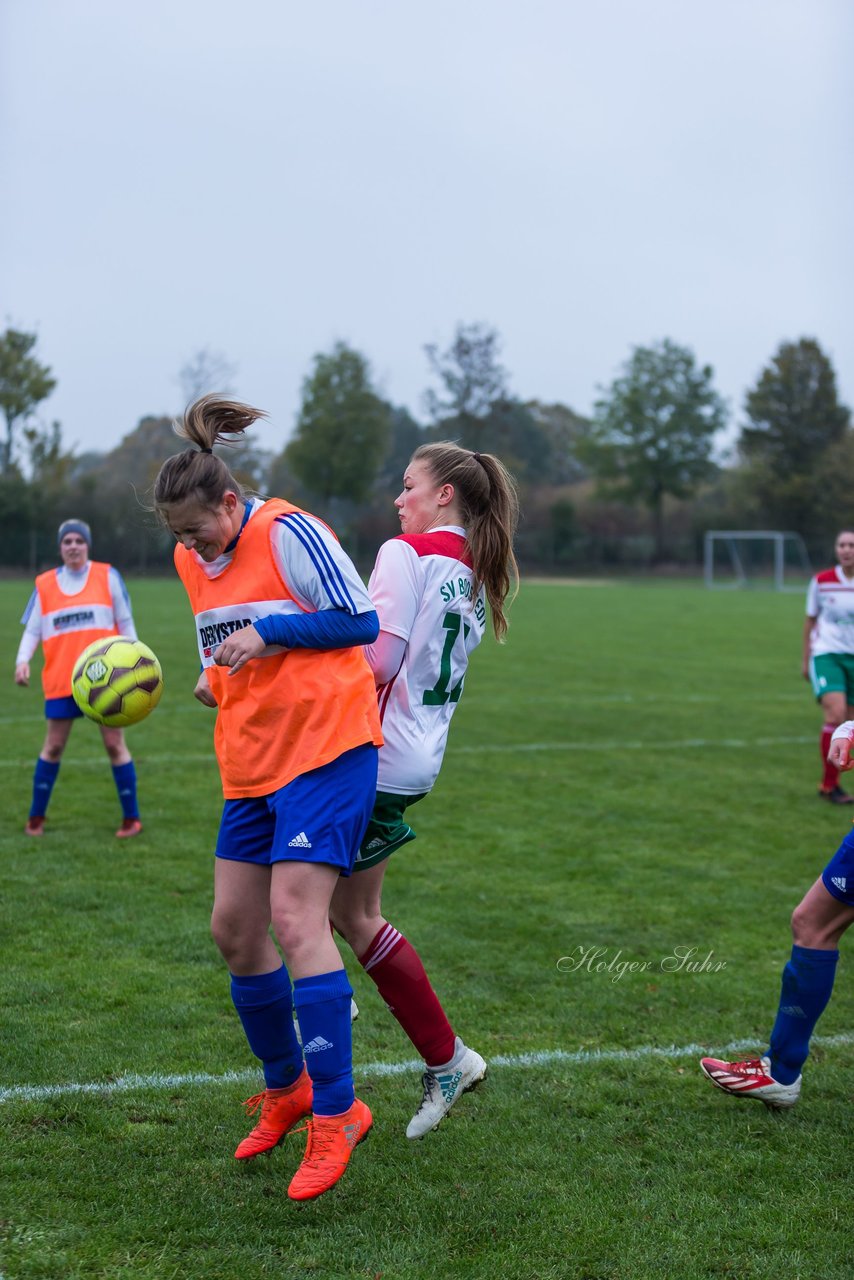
129,827
281,1109
331,1142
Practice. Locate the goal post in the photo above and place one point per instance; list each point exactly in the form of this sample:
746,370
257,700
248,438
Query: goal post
751,558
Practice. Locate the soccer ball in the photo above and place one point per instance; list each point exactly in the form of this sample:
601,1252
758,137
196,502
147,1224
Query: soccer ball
117,681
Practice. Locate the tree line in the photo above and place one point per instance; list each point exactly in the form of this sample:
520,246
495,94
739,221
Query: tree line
634,484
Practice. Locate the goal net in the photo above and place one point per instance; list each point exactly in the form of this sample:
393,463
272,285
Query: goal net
746,558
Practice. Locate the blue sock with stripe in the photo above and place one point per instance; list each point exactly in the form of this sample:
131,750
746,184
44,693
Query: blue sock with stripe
323,1011
124,776
265,1008
43,779
807,986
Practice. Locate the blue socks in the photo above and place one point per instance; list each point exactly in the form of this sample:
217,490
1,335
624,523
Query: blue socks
807,986
43,779
124,776
264,1006
263,1003
323,1010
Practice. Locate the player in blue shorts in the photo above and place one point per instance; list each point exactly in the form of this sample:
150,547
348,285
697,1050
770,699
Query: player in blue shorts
82,601
818,923
281,616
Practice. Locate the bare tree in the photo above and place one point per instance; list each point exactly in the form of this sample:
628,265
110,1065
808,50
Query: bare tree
206,371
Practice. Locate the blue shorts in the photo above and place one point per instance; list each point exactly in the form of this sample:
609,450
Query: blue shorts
61,709
838,875
320,816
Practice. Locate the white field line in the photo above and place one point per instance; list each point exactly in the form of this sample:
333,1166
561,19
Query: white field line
520,1061
572,700
153,759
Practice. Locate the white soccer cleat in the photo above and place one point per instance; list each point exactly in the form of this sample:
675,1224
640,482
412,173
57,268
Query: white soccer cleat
443,1087
751,1079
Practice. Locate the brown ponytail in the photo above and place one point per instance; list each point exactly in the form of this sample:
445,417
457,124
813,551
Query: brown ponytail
199,473
486,493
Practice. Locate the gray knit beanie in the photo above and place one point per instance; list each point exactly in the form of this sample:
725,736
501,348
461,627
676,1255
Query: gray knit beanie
75,526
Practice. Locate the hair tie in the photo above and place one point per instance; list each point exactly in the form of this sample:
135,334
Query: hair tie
204,449
476,457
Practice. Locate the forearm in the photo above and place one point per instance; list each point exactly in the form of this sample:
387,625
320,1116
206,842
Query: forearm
809,627
325,629
385,657
27,647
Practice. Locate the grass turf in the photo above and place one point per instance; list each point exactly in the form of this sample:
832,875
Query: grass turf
631,777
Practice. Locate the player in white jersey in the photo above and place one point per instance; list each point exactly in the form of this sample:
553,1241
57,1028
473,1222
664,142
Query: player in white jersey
430,588
828,654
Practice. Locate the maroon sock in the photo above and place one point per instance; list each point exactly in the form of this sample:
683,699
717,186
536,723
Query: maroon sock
396,968
831,773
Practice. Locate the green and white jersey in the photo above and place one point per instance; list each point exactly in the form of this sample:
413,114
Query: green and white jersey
421,588
830,600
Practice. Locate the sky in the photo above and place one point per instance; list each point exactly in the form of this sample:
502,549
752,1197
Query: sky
262,180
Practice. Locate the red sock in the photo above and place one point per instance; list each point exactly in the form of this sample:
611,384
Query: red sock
831,773
396,968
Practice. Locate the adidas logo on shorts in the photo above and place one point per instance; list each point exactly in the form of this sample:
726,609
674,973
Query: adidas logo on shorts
840,882
300,842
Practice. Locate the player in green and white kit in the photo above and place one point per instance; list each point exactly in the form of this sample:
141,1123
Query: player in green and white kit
430,588
828,656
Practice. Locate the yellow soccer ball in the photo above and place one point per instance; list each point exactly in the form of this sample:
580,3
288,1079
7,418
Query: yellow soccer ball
117,681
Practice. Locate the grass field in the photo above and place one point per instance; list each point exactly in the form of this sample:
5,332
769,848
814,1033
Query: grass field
634,772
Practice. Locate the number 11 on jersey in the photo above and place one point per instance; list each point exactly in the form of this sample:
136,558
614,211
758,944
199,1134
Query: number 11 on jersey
439,694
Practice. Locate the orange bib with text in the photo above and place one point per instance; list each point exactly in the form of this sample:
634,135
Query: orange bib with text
70,623
287,711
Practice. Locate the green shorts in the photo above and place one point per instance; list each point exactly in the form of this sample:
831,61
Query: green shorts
833,673
386,829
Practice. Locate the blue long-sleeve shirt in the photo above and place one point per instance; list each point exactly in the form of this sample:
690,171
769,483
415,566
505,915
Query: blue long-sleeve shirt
326,629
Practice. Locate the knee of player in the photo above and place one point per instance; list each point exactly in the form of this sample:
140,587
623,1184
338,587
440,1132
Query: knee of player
225,930
806,928
293,930
341,917
114,745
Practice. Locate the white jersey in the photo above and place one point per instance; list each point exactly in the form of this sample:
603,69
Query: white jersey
830,600
421,588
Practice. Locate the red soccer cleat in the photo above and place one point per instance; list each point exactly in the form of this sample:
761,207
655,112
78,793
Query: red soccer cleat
130,827
751,1079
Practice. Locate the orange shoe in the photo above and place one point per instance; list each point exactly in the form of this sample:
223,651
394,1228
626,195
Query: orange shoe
331,1141
280,1111
129,827
34,827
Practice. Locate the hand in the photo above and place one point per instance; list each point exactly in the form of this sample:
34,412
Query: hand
240,646
839,754
202,691
22,673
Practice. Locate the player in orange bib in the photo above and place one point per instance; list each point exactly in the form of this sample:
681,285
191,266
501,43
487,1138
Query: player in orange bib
72,606
281,616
